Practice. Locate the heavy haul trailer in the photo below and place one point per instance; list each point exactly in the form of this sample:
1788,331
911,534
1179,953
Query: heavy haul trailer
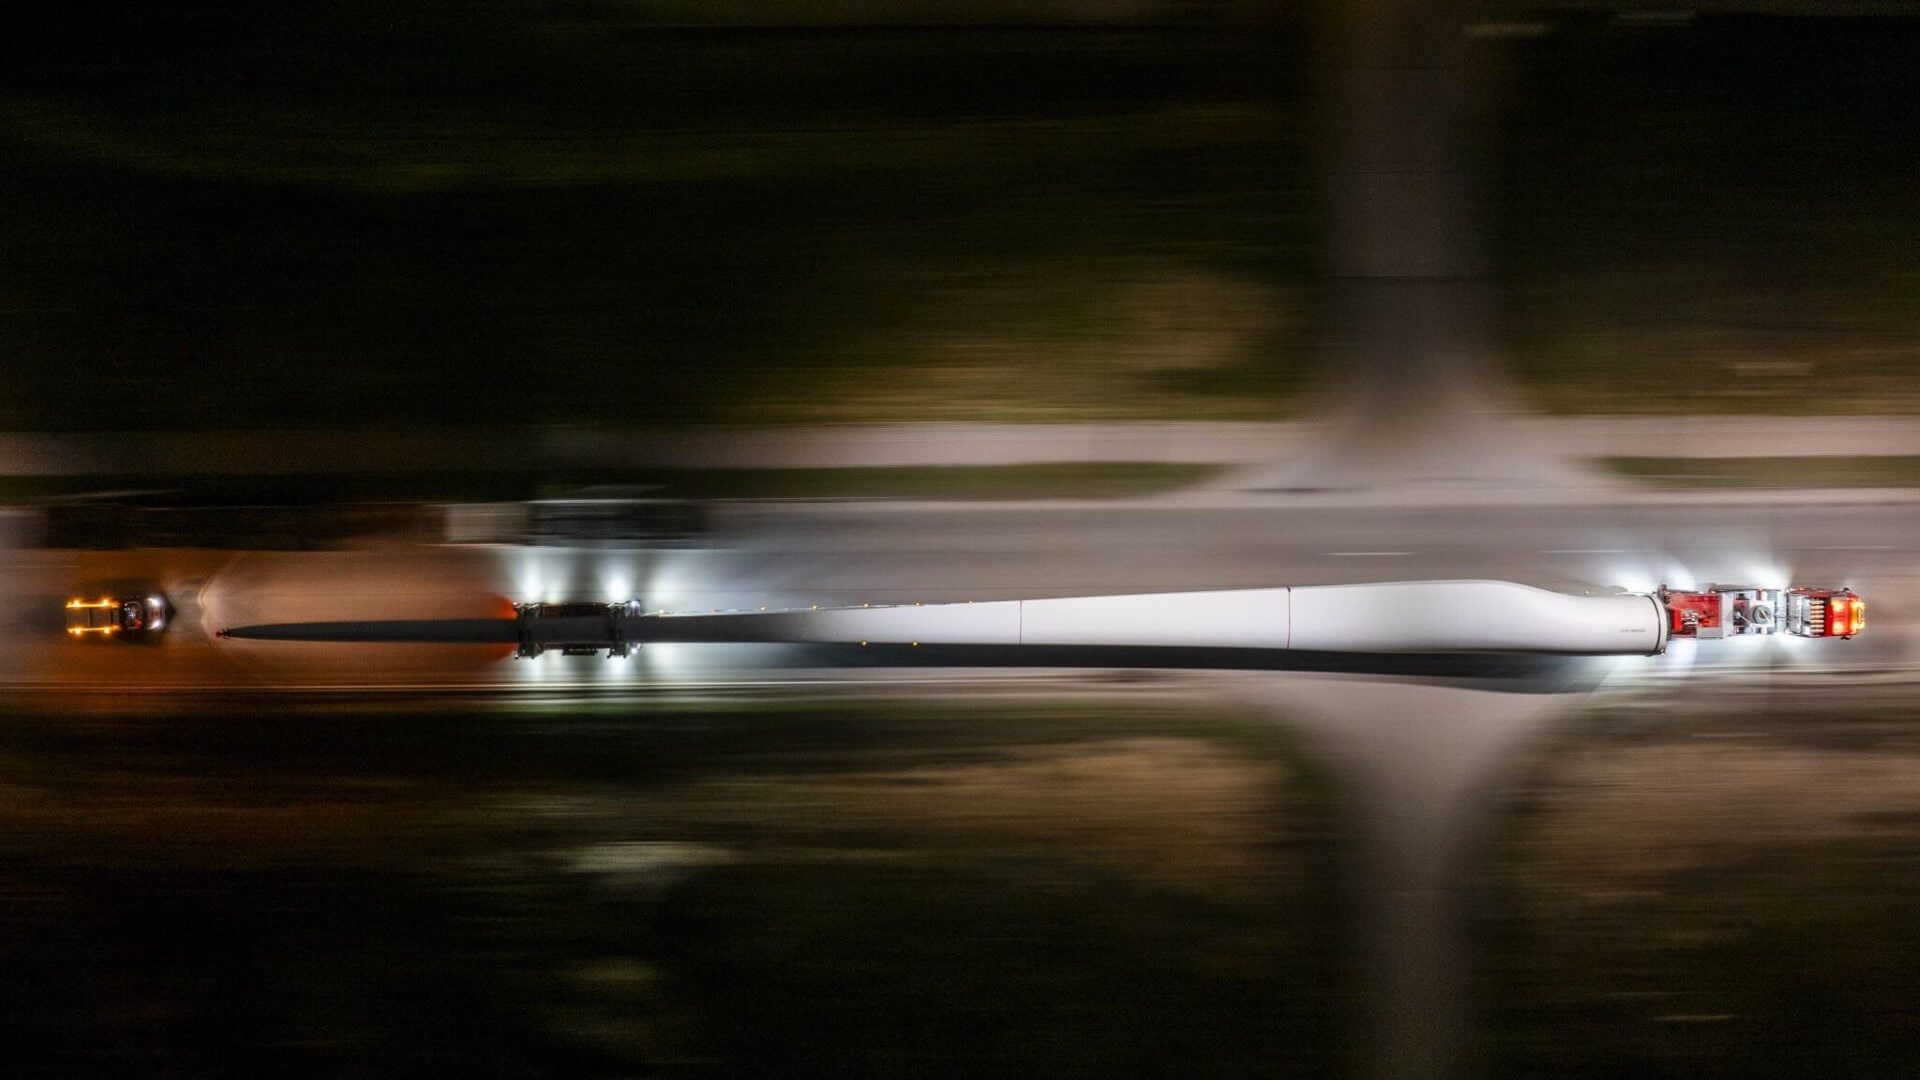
1386,617
1725,611
1382,617
577,629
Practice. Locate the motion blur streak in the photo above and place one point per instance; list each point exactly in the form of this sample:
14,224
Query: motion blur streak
1386,617
998,425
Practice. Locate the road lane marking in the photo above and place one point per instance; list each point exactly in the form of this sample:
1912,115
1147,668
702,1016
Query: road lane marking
1585,551
1365,554
1856,547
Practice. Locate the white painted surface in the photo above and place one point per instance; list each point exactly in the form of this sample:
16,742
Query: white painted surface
1236,618
946,624
1429,616
1473,616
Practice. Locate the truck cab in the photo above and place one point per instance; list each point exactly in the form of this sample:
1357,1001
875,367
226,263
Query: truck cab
109,615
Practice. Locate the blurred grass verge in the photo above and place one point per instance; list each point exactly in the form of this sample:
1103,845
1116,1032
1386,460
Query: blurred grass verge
1716,221
1721,886
572,213
1099,479
1839,471
571,216
817,888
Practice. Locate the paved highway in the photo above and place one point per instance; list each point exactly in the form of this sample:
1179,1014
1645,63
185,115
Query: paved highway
837,446
796,554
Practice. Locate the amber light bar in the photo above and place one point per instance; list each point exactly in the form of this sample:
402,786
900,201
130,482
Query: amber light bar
1846,615
91,605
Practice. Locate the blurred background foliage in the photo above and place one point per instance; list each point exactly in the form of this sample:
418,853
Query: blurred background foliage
823,888
228,216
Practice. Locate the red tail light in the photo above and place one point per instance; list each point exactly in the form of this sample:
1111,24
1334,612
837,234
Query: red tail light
1837,623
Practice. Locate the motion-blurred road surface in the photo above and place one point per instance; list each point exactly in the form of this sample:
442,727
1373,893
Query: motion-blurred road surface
772,555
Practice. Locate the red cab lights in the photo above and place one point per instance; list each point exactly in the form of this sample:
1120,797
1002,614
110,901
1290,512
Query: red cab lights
1846,615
